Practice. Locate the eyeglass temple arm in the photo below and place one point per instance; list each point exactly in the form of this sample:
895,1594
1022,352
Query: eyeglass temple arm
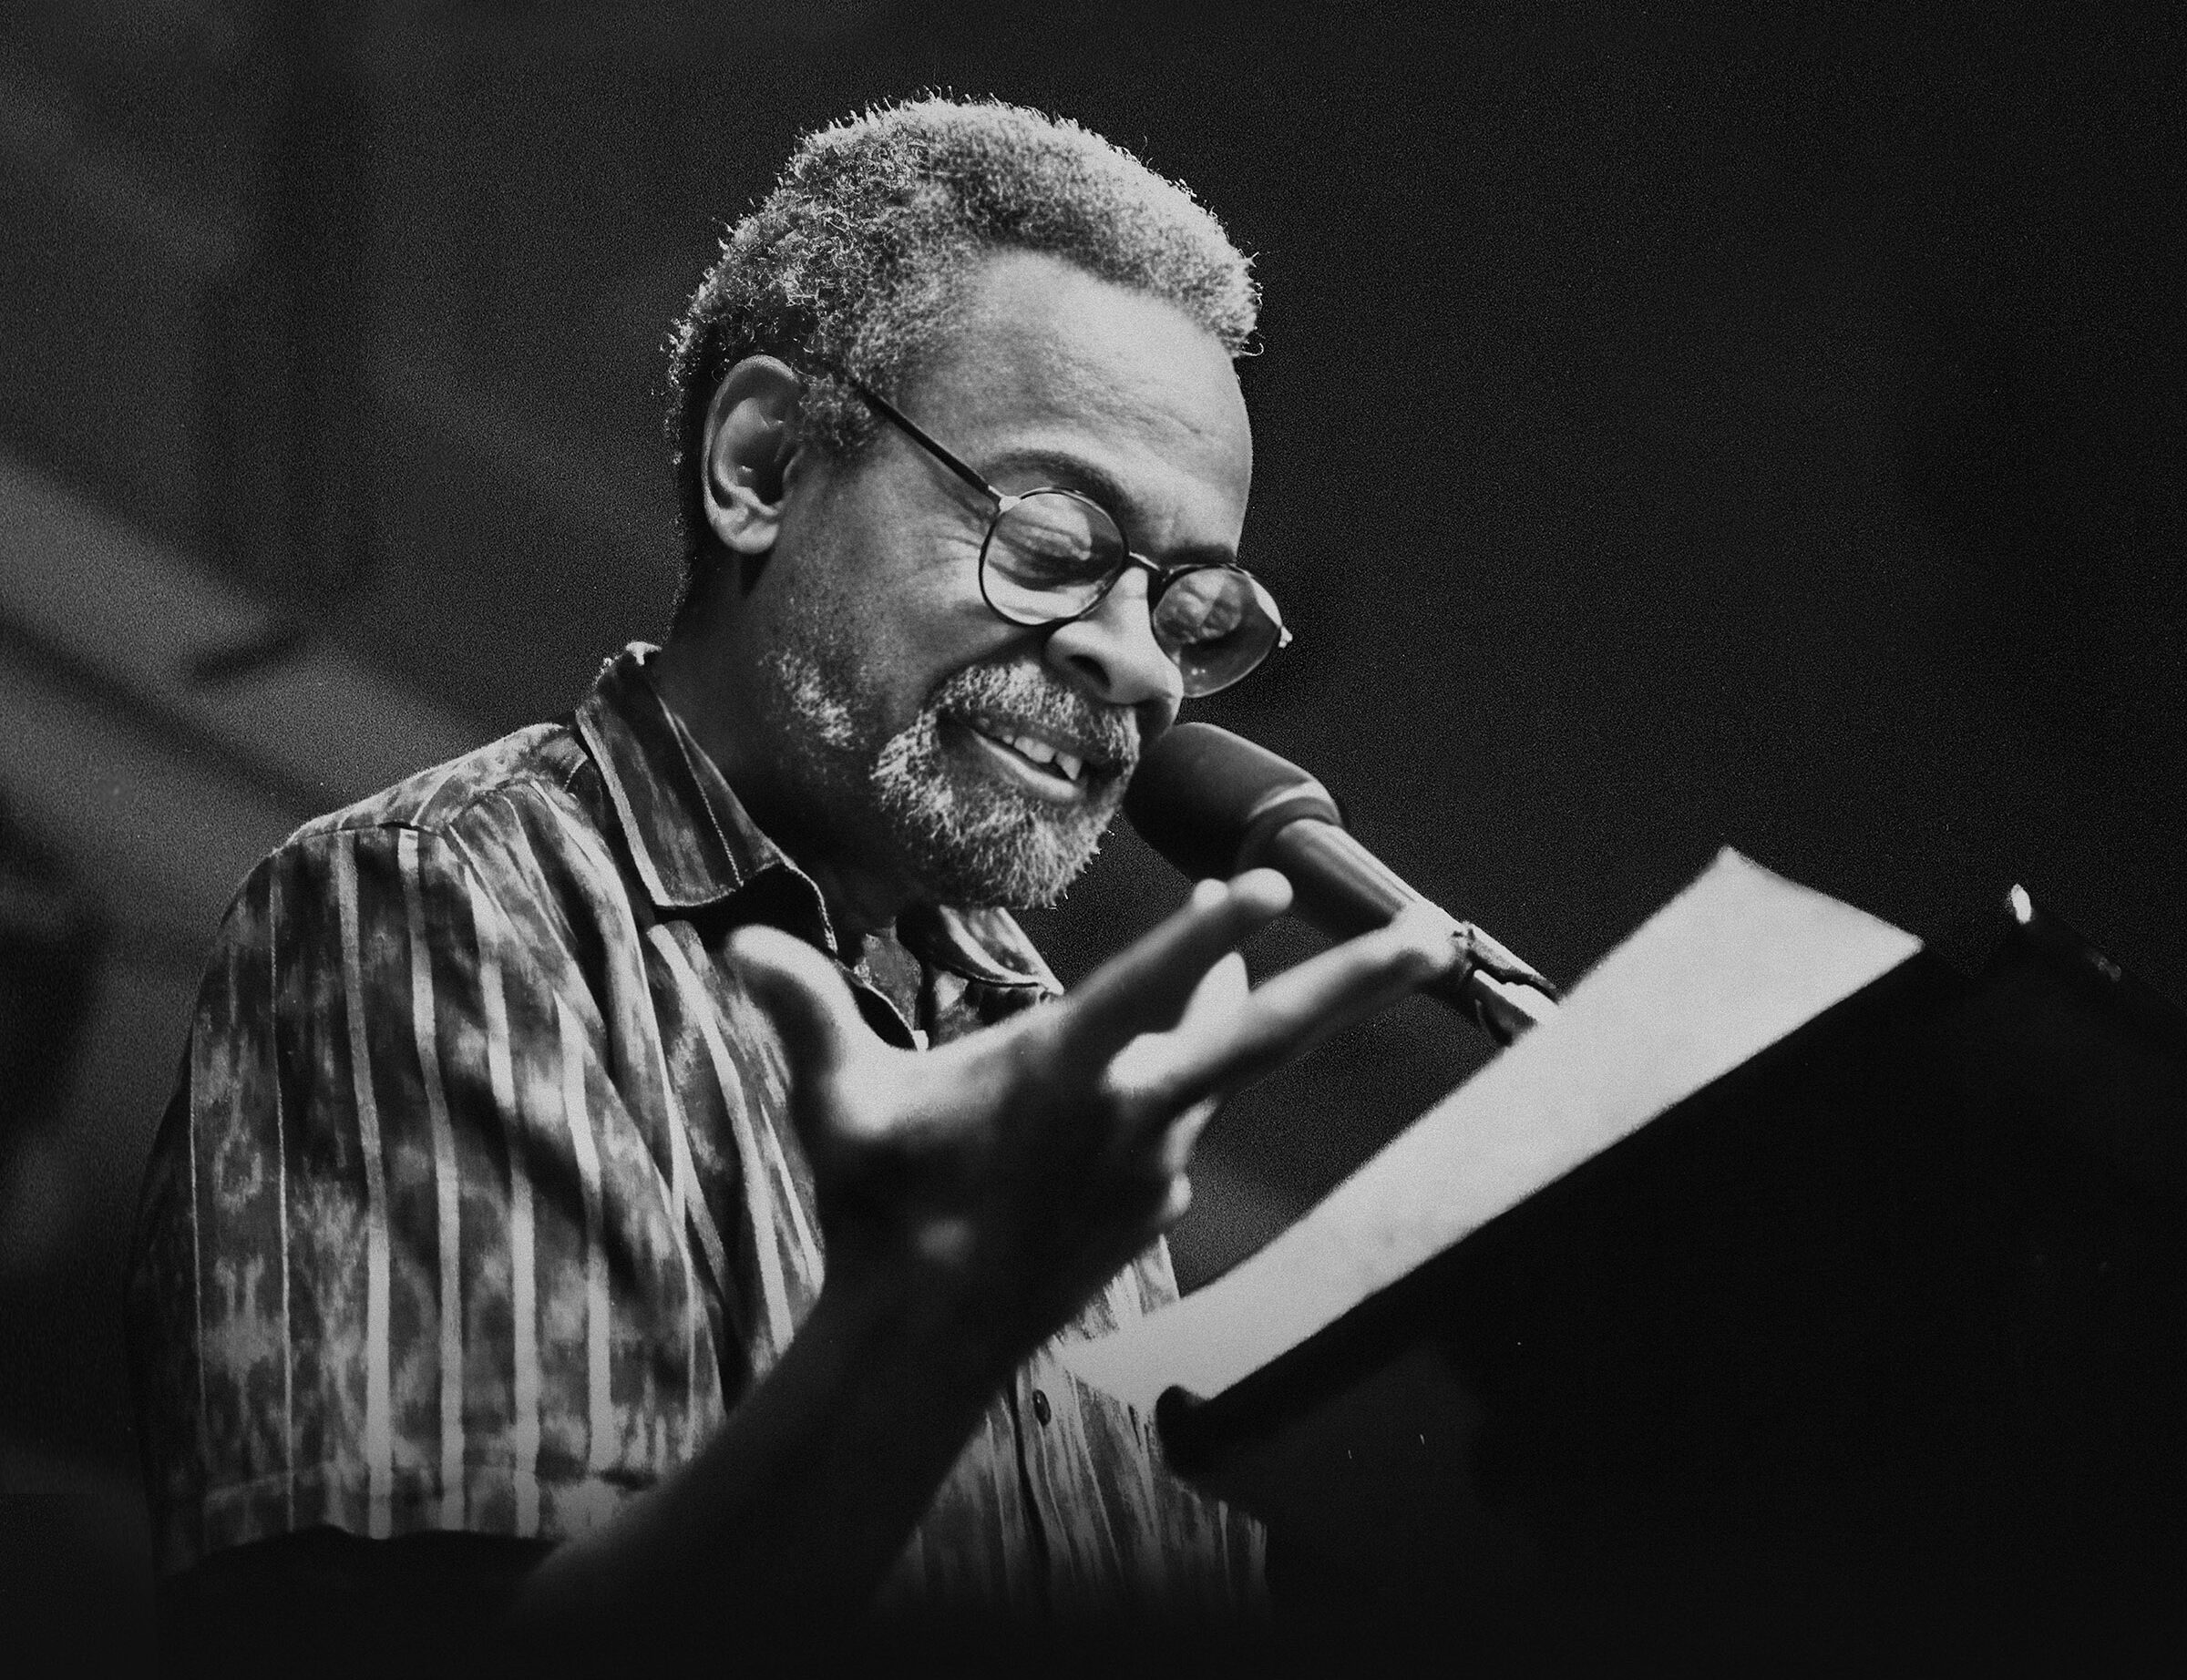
888,412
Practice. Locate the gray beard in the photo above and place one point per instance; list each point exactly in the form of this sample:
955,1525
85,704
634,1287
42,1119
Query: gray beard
964,842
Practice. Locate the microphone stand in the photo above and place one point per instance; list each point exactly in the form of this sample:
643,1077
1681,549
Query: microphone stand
1490,987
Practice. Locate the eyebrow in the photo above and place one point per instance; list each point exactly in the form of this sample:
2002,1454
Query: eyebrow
1070,472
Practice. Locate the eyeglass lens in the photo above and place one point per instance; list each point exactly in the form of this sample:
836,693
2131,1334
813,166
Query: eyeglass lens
1053,554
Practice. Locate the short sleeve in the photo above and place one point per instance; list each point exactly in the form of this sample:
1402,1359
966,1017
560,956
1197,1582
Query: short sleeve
410,1254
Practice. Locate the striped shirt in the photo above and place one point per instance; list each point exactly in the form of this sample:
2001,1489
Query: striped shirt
477,1205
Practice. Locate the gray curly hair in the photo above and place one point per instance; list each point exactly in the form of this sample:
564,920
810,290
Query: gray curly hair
856,262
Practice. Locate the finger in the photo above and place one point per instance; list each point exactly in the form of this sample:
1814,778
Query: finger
805,997
1178,1201
1145,1063
1146,987
1184,1135
1220,995
1288,1015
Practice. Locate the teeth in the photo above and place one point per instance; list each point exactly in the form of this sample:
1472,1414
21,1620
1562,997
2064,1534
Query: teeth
1040,752
1070,763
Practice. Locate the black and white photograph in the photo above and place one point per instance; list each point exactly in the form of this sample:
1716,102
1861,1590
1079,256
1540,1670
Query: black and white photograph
1092,840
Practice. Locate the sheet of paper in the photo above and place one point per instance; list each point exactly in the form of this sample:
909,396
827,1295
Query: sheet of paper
1736,962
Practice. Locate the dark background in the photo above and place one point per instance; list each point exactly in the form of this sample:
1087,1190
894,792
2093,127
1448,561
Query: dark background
1672,432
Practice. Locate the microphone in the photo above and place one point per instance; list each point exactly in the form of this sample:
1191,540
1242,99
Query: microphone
1215,804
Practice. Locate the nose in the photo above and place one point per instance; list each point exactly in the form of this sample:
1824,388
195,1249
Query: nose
1111,654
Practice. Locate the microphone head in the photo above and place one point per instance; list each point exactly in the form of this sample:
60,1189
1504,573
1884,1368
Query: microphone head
1208,800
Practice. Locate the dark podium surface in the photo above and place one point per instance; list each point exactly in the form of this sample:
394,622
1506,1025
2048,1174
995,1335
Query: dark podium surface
1873,1351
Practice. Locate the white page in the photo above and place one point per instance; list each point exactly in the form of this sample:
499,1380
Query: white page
1731,966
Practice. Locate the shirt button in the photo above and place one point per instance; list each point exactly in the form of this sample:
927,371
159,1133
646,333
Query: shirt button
1040,1406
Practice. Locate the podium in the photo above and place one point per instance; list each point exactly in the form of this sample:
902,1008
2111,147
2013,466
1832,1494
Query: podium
1872,1351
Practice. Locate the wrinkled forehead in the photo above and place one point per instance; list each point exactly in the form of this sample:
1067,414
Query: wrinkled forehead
1043,354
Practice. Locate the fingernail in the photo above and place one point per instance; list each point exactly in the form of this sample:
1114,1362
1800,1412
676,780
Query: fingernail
1208,893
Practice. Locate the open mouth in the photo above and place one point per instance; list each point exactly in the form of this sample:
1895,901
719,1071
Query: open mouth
1054,769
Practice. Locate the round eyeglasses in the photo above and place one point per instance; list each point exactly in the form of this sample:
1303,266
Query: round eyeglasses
1053,554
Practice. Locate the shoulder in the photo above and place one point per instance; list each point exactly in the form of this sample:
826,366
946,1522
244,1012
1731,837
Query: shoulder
526,819
545,767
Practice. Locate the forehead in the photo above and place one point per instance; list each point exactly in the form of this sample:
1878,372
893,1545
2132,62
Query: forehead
1047,361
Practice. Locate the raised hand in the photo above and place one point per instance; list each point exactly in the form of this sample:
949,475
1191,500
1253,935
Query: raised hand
1015,1171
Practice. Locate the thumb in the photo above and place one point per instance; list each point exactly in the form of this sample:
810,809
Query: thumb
801,991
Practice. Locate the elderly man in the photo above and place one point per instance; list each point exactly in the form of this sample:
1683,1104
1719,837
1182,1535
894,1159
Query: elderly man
480,1269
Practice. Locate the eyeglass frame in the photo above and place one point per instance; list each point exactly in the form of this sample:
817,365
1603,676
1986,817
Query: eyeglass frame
1160,576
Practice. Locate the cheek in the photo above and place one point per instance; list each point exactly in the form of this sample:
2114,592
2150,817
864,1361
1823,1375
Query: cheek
893,638
891,588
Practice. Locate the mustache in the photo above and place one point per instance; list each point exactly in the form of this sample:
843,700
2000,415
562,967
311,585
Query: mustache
1029,693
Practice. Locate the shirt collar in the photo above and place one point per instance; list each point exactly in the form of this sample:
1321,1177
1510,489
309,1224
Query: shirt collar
695,846
979,944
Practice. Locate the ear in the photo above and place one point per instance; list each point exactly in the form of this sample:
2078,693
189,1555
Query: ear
745,455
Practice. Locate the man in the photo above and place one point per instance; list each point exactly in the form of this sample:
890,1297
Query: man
480,1265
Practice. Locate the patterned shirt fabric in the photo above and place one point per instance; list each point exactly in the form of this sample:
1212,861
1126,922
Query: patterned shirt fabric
477,1203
